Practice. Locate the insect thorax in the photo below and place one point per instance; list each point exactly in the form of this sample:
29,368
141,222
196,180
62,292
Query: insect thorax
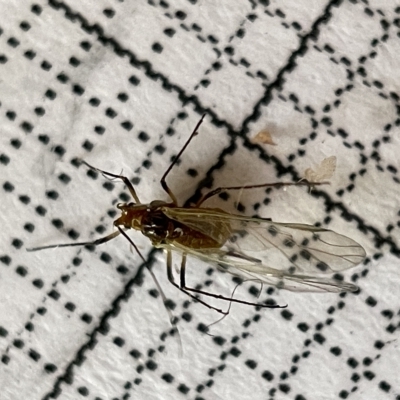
159,228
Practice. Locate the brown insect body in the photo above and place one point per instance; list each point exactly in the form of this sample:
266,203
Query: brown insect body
152,220
286,255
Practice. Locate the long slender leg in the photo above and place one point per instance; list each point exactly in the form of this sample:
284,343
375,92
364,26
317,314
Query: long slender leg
131,242
163,179
164,298
274,184
124,179
94,243
183,287
183,271
172,280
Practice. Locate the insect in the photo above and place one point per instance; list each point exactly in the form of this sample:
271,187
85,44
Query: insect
290,256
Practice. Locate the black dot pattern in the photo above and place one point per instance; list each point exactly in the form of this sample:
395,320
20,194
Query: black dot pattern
121,86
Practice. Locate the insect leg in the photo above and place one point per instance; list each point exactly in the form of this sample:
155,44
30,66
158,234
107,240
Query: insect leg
169,273
124,179
162,181
94,243
182,289
216,191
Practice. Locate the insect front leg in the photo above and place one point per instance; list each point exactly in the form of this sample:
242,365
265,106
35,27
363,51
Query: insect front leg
124,179
93,243
182,280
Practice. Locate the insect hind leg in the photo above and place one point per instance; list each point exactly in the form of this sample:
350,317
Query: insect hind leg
186,290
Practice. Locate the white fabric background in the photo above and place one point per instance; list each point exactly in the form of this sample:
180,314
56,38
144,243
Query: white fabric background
122,84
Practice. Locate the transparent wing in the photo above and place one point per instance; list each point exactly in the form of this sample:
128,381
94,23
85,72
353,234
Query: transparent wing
291,256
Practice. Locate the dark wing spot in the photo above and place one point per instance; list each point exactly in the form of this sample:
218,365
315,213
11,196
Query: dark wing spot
316,237
272,230
305,254
322,266
289,243
305,242
233,239
242,233
280,285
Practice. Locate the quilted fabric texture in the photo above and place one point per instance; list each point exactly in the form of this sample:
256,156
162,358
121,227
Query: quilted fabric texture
121,84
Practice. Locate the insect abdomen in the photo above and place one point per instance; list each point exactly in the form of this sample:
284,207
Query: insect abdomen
195,239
